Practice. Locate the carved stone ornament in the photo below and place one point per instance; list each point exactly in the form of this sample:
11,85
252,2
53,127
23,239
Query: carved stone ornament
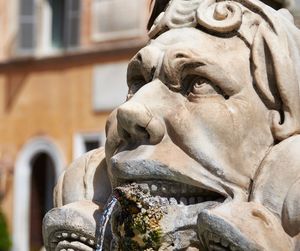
204,154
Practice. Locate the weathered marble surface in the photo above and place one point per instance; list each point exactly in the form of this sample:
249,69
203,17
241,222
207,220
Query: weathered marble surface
209,133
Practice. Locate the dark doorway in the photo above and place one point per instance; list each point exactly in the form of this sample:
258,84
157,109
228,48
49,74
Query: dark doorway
42,184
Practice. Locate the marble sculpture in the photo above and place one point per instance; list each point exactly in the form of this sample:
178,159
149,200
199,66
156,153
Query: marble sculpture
204,154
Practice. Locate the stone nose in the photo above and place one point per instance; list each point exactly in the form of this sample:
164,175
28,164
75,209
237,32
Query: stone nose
136,124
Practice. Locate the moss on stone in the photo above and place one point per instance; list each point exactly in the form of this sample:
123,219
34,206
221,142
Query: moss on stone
138,220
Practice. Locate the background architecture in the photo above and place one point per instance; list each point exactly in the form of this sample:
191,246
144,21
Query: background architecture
62,70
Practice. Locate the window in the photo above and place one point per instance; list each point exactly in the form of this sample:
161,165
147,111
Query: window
115,19
91,144
27,20
84,142
48,25
65,23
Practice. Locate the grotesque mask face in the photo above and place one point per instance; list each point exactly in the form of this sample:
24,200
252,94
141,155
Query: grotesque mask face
198,152
196,128
191,117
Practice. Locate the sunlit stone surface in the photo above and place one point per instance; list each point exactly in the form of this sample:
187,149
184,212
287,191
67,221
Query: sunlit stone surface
204,153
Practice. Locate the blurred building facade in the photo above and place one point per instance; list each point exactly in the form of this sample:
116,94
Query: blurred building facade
62,70
295,10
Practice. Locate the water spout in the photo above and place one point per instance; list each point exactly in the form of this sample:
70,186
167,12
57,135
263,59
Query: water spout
104,220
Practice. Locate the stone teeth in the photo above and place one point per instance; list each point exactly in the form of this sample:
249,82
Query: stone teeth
83,239
74,236
154,188
184,194
91,242
58,236
144,187
173,201
164,201
70,249
65,235
164,189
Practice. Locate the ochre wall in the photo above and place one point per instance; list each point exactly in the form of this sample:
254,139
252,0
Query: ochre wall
50,98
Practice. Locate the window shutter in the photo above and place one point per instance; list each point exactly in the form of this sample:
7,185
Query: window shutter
72,23
27,25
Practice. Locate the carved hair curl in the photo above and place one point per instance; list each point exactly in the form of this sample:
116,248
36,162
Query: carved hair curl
222,17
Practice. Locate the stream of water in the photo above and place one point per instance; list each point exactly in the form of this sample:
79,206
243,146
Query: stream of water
104,220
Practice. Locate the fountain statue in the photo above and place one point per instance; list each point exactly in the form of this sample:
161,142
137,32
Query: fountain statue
204,154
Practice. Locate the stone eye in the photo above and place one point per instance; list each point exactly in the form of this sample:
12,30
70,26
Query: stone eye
201,87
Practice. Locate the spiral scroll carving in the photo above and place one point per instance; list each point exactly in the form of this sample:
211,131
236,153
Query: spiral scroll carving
221,17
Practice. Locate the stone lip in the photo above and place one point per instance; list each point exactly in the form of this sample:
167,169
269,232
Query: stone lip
242,226
214,230
72,226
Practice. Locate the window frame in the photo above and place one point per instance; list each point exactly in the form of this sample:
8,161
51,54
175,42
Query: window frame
41,20
80,138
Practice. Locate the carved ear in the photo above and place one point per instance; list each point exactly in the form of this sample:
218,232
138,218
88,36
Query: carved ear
276,80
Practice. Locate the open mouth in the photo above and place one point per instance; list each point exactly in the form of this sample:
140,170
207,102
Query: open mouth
154,212
175,193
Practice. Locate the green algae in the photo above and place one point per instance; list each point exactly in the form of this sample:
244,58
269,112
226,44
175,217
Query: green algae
138,219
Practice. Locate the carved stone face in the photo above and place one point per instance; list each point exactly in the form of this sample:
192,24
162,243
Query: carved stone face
204,153
198,121
193,122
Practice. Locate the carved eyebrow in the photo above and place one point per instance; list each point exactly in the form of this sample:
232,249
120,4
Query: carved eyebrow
175,82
